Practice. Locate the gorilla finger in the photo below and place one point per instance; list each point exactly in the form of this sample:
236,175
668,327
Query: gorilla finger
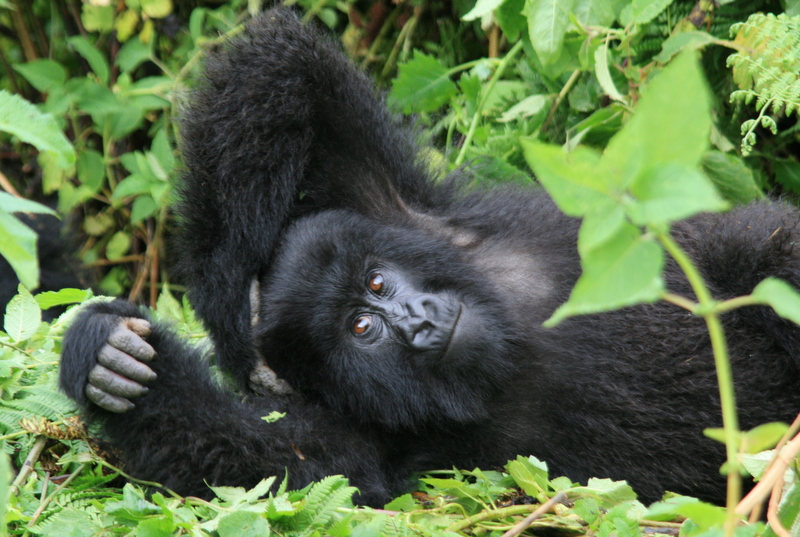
131,343
140,327
114,383
105,400
126,365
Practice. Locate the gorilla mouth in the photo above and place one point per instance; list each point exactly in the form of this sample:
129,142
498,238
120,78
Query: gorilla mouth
449,347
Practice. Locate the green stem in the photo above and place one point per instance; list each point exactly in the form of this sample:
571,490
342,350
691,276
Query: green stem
727,397
477,116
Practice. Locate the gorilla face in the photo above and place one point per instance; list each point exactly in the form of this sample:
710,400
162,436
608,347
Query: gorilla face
387,325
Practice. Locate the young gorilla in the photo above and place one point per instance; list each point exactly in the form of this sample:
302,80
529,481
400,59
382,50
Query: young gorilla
406,313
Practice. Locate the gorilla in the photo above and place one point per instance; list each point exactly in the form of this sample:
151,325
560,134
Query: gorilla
395,316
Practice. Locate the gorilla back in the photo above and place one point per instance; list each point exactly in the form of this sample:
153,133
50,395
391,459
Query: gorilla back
405,313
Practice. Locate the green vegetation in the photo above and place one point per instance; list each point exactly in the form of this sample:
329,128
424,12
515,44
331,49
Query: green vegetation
633,115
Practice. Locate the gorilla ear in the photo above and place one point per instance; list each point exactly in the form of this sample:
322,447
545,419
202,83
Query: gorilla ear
281,124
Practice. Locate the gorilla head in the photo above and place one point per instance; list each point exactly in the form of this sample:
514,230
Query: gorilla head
382,322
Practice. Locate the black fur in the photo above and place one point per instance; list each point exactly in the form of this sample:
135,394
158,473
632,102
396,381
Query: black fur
300,179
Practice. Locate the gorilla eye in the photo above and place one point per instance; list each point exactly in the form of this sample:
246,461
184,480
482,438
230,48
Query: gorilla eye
362,324
376,282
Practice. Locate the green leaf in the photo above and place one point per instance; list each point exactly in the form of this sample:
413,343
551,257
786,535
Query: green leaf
98,18
788,511
482,7
402,503
118,245
608,492
273,416
603,74
92,56
155,527
50,299
23,120
780,296
23,316
672,192
243,524
422,85
571,178
18,247
626,271
600,225
548,21
13,204
91,169
598,12
44,75
143,207
787,173
763,437
734,180
671,124
511,18
647,10
5,487
530,474
676,43
156,9
132,54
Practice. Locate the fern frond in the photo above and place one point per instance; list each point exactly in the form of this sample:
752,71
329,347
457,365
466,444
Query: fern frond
767,69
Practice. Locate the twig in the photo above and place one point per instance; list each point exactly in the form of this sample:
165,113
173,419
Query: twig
118,261
783,459
8,187
46,502
22,33
489,514
561,94
772,511
545,507
27,466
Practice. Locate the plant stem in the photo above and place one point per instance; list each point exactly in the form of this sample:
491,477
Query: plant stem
727,397
477,116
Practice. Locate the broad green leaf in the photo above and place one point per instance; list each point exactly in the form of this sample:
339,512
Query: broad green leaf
671,124
548,21
242,524
125,25
118,245
511,18
787,173
529,474
18,247
731,176
23,316
571,179
132,54
422,85
600,225
156,9
598,12
44,75
98,18
161,149
626,271
780,296
607,491
131,186
683,41
482,7
672,192
647,10
402,503
529,106
91,169
143,207
763,437
604,75
50,299
23,120
13,204
92,56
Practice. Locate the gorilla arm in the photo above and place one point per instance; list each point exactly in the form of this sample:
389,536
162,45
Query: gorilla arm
183,431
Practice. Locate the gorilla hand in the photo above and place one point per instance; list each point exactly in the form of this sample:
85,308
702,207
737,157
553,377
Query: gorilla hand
120,373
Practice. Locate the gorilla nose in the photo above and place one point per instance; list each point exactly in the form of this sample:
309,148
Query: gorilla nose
427,323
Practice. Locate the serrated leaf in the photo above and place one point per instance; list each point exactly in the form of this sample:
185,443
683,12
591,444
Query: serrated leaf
23,120
50,299
571,178
18,247
676,43
242,524
672,192
780,296
548,21
422,85
763,437
734,180
626,271
92,56
23,316
788,512
646,10
530,474
671,124
44,75
482,7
